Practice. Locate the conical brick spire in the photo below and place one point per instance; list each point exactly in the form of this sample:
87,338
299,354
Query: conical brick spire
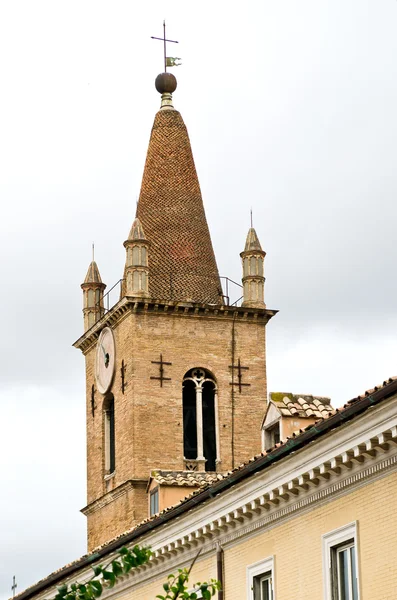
182,263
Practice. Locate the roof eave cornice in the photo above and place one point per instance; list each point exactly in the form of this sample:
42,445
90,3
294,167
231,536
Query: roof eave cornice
134,304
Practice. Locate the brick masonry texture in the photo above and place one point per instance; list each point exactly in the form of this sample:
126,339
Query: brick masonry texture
148,418
181,258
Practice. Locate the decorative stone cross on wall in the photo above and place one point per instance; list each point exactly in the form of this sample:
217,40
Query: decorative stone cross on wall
240,370
161,364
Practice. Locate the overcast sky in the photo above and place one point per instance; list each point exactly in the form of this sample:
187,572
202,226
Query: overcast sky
291,110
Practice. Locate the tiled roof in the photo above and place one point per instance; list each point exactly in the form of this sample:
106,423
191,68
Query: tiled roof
186,478
182,263
371,391
301,405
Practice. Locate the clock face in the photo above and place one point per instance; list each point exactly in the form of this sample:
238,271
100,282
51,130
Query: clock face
105,360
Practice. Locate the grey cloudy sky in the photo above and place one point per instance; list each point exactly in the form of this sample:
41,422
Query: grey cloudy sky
291,110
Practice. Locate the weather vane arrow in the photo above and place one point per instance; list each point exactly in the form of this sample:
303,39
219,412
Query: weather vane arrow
169,61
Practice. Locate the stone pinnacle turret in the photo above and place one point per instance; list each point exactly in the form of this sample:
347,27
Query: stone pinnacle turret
93,289
253,279
136,272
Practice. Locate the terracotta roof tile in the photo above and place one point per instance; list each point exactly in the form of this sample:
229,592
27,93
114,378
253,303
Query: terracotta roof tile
186,478
371,391
302,405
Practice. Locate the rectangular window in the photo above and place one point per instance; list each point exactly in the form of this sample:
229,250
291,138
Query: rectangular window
263,587
272,436
260,580
154,501
343,566
340,564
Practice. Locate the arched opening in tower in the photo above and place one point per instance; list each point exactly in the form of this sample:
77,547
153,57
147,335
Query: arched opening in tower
189,420
109,434
209,432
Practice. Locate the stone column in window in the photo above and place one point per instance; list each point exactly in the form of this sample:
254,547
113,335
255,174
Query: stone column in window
217,438
199,425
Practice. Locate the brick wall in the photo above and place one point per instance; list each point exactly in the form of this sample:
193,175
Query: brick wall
148,417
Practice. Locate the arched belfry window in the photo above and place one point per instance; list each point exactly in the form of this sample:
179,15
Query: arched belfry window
109,434
200,421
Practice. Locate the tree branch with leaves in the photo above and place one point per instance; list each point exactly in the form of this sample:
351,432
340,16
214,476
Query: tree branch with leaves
106,577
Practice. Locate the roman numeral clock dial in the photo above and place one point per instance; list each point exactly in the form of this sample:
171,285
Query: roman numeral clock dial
105,360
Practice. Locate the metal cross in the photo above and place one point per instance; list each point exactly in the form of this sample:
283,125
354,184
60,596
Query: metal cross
161,364
93,405
14,586
122,373
164,39
239,375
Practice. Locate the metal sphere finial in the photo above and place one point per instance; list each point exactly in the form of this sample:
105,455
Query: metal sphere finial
165,83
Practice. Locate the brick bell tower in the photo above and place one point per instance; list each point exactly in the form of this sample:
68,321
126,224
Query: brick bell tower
175,377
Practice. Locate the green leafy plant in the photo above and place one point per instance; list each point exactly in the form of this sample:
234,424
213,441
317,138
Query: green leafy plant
177,586
106,577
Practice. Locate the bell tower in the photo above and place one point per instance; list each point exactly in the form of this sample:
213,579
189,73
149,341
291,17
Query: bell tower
175,378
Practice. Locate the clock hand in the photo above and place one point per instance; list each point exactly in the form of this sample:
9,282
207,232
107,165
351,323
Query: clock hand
105,356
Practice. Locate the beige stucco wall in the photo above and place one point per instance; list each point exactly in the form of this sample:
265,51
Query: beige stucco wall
169,495
296,546
290,425
297,550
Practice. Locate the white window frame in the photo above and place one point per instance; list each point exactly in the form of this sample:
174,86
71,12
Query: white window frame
154,492
269,437
260,568
330,541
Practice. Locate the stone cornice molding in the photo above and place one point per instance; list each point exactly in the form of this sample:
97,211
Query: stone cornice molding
117,492
179,309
